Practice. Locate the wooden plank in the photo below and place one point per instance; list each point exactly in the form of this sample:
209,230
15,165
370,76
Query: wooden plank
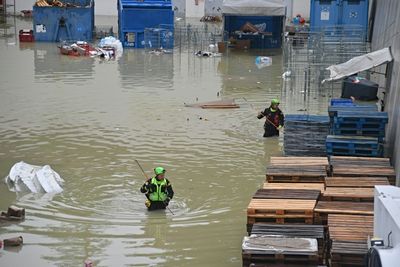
299,161
348,193
304,186
371,161
343,207
355,228
295,179
355,181
287,194
364,171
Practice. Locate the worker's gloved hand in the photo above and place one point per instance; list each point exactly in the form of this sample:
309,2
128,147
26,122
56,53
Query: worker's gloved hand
260,115
167,201
147,203
280,127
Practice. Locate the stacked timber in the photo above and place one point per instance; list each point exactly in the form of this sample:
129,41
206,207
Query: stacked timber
348,236
342,166
304,135
297,169
356,182
282,213
323,208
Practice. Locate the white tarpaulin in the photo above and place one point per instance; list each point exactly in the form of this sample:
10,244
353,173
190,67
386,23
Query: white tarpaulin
358,64
254,7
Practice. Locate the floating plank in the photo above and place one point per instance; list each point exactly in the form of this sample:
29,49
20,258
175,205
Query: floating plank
348,194
287,194
227,103
304,186
355,181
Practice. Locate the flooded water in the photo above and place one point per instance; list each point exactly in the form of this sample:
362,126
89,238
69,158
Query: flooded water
91,119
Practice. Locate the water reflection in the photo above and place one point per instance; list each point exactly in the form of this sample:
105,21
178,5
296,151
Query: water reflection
51,66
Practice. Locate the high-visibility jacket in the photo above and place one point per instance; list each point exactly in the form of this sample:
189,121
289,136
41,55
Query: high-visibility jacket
157,190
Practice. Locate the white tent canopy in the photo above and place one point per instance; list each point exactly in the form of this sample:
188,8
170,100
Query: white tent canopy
254,7
358,64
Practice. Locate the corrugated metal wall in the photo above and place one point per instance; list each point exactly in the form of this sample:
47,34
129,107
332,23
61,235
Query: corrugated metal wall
386,32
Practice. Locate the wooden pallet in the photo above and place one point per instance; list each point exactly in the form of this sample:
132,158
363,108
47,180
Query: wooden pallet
348,194
280,211
287,194
323,208
347,254
355,181
279,258
304,186
352,228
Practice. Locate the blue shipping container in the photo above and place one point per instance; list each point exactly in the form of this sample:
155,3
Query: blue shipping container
135,16
339,12
53,24
274,25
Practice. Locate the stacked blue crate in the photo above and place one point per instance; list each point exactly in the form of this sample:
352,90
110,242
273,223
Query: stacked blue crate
350,124
364,123
305,135
352,146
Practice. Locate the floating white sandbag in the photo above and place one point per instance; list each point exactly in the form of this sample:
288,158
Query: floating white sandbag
36,179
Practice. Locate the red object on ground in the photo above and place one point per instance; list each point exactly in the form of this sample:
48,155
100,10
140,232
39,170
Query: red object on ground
77,49
26,36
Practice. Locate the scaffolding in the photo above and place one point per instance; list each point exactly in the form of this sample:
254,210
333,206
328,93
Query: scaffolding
7,25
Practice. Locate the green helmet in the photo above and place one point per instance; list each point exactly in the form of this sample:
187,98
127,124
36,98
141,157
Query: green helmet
275,101
159,170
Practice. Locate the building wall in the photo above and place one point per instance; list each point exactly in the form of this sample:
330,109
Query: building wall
386,32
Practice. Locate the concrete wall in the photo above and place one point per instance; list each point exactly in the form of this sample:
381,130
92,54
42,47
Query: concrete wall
386,32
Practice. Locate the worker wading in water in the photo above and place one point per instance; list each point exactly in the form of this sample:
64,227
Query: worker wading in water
274,119
158,190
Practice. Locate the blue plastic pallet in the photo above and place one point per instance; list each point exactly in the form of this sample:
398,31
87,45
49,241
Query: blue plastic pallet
356,152
359,126
333,110
365,116
342,102
369,132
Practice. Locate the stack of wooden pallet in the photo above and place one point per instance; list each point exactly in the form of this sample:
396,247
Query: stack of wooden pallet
282,213
342,166
348,236
297,169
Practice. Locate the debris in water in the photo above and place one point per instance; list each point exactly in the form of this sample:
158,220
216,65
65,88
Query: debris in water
37,179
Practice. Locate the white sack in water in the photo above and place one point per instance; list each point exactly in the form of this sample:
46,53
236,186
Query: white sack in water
36,179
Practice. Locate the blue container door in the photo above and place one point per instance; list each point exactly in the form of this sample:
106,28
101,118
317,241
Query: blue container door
355,12
324,13
133,21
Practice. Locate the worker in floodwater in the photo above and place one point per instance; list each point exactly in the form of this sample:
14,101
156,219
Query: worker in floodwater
274,119
158,190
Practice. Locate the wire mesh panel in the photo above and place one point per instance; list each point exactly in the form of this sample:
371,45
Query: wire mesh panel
199,37
159,38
